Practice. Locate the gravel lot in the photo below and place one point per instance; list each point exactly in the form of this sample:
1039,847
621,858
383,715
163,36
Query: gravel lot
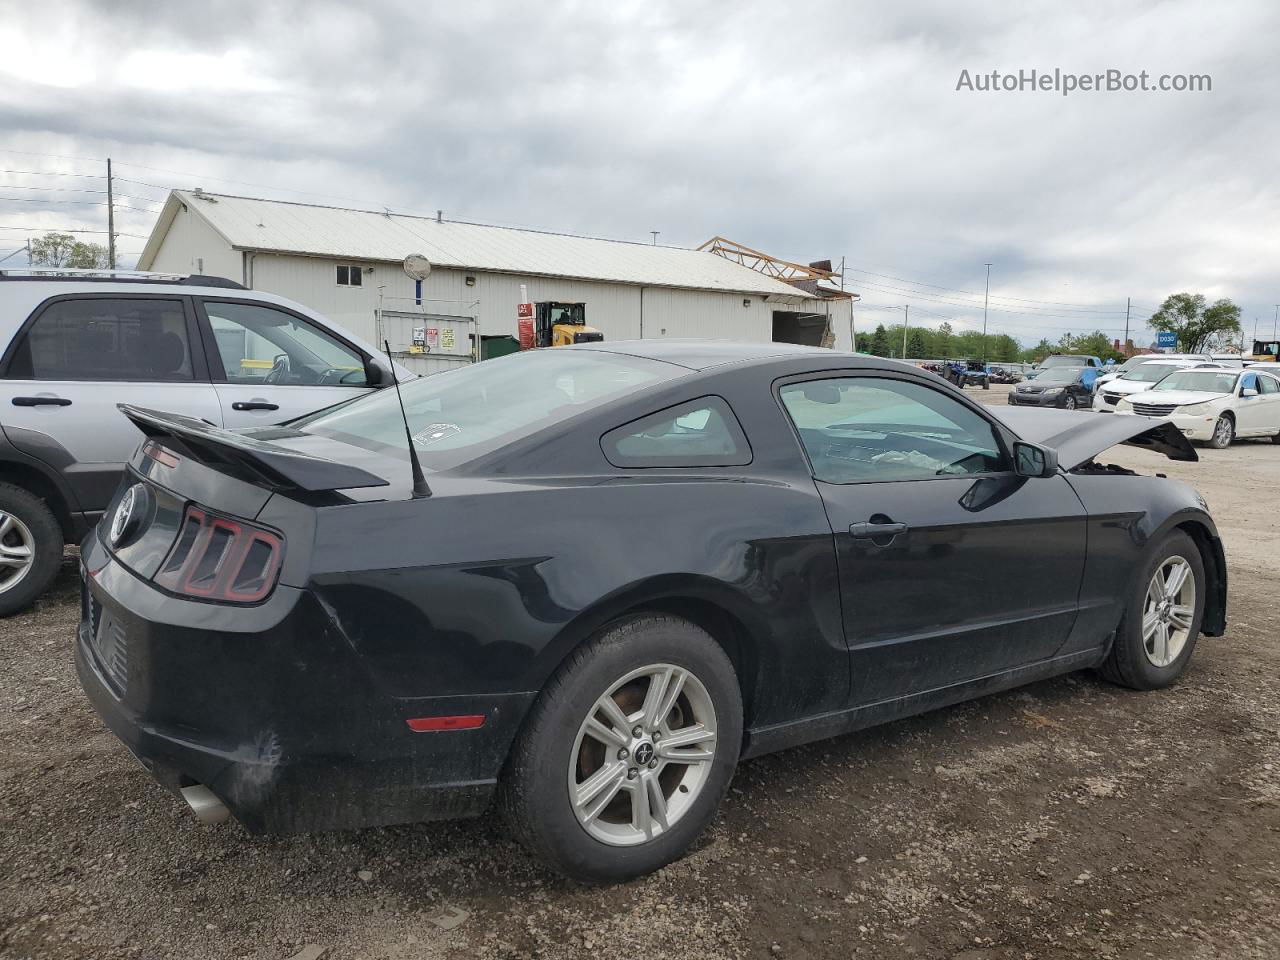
1066,819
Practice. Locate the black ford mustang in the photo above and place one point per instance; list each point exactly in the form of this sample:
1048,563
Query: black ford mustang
635,565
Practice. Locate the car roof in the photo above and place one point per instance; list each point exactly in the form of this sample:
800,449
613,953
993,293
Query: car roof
702,354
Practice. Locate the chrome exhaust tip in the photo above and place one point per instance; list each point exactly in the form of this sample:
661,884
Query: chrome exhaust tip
205,805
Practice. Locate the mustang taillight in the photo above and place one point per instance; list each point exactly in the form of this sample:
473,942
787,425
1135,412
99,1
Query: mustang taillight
218,558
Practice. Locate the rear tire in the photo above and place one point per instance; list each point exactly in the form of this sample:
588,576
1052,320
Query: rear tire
1224,432
618,832
30,548
1147,659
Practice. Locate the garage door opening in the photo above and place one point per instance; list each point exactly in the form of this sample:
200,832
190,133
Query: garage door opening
803,328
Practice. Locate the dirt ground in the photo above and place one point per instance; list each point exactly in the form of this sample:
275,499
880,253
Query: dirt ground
1065,819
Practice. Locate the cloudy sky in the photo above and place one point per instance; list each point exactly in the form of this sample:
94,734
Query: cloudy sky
811,131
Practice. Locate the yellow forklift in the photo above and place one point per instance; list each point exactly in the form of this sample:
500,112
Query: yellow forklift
558,324
1265,350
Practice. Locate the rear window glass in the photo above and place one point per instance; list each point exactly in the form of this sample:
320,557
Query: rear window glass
457,416
104,338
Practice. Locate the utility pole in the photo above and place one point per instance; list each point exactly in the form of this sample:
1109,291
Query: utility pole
986,297
111,222
655,236
1128,301
1276,322
29,264
906,317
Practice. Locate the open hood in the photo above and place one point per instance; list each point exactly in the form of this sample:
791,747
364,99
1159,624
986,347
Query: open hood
276,464
1079,437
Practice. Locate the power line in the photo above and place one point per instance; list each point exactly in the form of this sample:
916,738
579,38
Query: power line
18,186
43,229
88,203
921,283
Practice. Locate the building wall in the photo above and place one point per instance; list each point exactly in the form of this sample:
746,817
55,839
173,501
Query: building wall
621,311
192,246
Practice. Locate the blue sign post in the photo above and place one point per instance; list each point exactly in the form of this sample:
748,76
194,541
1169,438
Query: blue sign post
1166,339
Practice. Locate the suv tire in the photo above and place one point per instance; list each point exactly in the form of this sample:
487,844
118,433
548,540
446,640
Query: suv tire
608,810
28,529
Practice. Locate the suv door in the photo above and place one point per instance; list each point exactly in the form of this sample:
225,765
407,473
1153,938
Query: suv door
269,364
78,356
951,567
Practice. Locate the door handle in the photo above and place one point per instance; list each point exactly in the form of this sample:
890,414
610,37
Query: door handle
41,402
254,405
877,531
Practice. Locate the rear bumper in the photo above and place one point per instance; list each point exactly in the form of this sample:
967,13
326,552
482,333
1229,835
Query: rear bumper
276,714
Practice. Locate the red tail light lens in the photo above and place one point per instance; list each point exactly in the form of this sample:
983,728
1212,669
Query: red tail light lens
218,558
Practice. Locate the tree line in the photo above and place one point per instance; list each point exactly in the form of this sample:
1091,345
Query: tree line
1199,326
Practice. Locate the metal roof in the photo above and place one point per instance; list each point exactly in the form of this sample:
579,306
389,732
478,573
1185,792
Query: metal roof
279,226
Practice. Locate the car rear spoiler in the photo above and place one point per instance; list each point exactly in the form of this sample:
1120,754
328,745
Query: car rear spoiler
278,466
1079,437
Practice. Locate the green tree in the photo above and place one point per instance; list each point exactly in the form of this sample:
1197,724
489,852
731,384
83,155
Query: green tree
64,250
1038,352
917,347
1097,344
1195,321
879,346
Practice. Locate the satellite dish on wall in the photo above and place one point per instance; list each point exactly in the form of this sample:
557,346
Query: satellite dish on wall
417,267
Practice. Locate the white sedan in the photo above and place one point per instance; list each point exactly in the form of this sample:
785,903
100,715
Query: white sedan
1141,377
1214,406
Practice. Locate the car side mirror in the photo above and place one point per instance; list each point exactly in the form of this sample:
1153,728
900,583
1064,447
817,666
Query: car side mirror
1033,460
376,373
1249,392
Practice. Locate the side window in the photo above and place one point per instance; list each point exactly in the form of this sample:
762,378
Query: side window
259,344
1267,384
105,339
872,429
1249,382
348,276
700,433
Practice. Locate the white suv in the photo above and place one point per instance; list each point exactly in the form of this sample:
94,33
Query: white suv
73,344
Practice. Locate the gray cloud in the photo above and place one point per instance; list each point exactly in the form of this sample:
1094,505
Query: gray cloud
812,130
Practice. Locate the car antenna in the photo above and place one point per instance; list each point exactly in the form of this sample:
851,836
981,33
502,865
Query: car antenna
420,488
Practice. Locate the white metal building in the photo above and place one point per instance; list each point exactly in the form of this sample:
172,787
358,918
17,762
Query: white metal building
347,264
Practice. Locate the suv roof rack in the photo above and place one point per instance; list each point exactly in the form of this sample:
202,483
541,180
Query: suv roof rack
117,276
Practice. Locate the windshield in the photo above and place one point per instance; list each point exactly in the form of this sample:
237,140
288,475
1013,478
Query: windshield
1060,375
457,416
1150,372
1064,360
1205,381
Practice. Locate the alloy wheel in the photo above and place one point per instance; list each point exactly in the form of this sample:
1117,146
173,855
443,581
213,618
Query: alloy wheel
1168,610
17,551
1222,431
642,755
1069,403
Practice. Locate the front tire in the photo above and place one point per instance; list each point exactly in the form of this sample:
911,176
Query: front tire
627,752
1161,622
1069,403
30,548
1224,431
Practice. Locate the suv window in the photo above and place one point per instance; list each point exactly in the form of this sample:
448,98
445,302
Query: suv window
871,429
700,433
259,344
108,338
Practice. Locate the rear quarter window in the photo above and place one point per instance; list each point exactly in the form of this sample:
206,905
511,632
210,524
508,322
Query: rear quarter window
698,433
